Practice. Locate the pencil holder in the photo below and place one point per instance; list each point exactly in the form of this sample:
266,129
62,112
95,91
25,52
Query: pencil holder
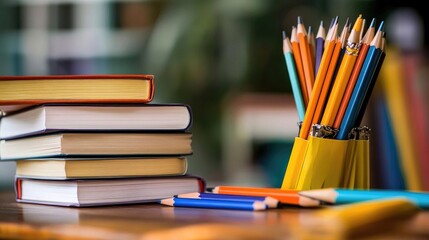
323,162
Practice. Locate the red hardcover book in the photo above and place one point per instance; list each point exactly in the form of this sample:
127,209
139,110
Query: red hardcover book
18,92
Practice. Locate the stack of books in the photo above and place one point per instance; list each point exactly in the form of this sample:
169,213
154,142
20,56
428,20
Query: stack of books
94,140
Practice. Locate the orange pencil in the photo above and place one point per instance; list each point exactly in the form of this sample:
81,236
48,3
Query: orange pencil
318,113
305,56
284,196
369,35
311,46
343,75
318,84
298,64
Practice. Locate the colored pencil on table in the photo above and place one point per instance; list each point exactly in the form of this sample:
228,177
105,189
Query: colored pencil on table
362,85
320,43
293,77
369,35
216,204
298,64
318,83
269,201
305,56
343,75
284,196
345,196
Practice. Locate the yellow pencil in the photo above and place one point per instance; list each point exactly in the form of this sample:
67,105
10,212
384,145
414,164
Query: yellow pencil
343,75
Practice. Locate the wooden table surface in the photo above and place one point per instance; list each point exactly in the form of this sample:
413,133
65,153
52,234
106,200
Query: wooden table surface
154,221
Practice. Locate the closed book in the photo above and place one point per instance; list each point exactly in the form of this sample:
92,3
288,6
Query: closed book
108,191
96,144
90,117
17,92
69,168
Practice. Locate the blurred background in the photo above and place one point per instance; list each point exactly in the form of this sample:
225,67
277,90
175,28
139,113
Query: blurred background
222,57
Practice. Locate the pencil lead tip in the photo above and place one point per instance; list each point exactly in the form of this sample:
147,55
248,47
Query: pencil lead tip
381,27
284,34
321,23
299,20
347,21
372,22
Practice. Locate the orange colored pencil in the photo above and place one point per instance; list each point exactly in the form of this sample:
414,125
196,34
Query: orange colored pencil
311,46
318,84
318,112
343,75
369,35
305,56
284,196
298,64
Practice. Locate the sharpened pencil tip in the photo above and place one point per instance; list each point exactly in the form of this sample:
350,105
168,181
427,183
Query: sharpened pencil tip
308,202
381,27
284,35
189,195
259,206
358,24
372,23
215,190
299,20
167,201
347,21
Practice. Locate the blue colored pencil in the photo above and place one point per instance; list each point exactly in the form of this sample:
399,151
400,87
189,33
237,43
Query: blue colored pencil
269,201
293,76
216,204
370,88
362,85
344,196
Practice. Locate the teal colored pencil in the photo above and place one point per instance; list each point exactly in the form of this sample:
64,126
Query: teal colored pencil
215,204
344,196
294,80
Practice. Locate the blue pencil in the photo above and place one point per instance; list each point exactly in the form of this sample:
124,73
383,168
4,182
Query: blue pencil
216,204
293,76
362,86
269,201
370,88
344,196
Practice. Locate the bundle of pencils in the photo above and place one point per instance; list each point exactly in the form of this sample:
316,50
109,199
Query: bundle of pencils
332,76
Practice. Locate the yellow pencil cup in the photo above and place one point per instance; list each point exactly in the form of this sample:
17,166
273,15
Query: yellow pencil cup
319,162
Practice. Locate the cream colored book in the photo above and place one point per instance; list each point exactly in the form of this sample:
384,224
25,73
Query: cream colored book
49,118
95,144
67,168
